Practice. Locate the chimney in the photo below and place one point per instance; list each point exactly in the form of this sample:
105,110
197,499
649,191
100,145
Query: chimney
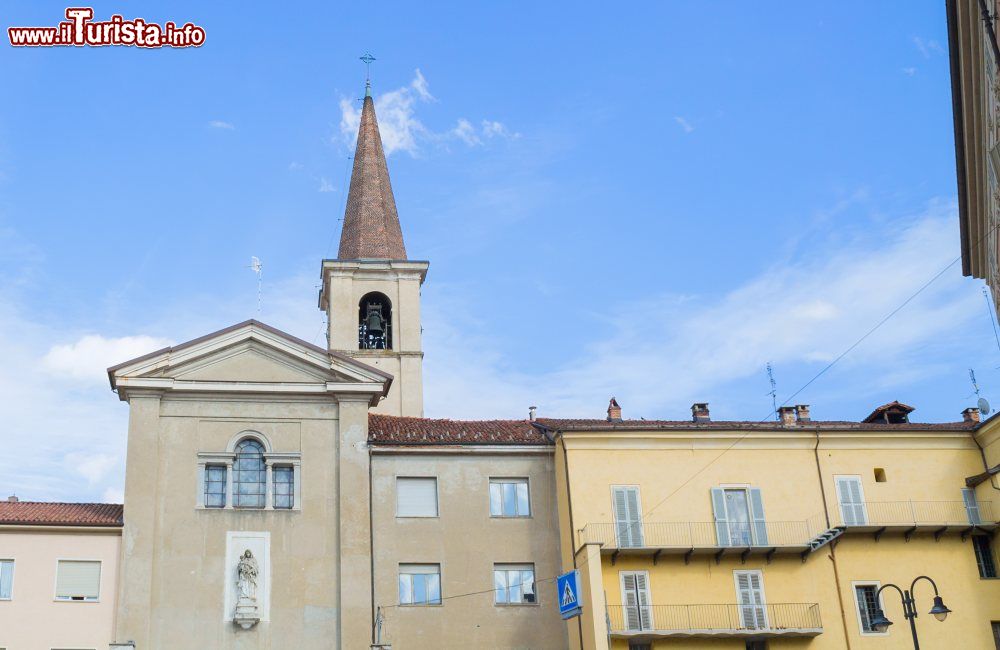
970,414
531,413
13,498
614,411
787,414
699,412
802,413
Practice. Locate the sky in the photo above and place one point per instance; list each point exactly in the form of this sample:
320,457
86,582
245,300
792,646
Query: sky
651,203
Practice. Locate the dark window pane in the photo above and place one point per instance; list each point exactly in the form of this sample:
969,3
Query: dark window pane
249,475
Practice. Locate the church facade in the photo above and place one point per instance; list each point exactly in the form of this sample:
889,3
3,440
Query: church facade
280,494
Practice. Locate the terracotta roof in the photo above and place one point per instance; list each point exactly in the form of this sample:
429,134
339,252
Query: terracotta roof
371,224
831,425
392,430
895,407
37,513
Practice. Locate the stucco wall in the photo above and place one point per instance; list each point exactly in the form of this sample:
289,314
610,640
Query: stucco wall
675,472
173,564
33,618
466,542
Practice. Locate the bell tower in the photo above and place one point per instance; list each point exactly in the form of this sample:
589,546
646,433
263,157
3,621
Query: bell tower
371,291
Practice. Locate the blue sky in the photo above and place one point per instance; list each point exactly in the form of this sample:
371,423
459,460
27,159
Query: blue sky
649,203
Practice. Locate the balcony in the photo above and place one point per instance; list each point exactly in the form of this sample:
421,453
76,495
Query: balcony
708,538
909,517
714,621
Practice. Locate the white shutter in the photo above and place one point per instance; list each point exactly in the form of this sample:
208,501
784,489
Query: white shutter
6,579
757,516
628,517
971,505
750,596
416,497
78,579
852,502
719,514
635,599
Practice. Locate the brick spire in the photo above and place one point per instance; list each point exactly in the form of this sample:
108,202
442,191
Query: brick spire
371,225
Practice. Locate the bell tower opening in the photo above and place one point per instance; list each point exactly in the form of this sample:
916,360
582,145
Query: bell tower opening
374,322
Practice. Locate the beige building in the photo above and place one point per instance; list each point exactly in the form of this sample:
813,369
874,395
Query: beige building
58,574
266,508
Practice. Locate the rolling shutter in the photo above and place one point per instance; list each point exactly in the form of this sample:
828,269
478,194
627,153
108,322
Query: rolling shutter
78,580
416,497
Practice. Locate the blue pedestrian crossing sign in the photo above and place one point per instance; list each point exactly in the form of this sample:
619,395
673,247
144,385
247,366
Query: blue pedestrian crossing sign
568,588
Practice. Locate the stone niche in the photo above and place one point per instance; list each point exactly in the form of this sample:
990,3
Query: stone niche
243,612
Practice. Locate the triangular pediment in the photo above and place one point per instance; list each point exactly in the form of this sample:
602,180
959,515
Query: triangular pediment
249,357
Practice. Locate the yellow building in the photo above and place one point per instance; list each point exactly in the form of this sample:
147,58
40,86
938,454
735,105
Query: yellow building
703,534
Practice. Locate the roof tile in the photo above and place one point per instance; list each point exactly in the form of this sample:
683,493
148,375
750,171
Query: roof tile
38,513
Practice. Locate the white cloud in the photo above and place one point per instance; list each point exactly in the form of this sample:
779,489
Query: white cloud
797,314
402,130
89,357
326,186
93,467
219,124
926,47
465,132
909,72
684,124
113,495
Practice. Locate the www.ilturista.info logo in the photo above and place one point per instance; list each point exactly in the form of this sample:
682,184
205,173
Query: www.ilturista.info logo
80,30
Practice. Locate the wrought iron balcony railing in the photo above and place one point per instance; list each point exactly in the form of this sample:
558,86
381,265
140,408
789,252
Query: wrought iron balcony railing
709,535
931,514
732,620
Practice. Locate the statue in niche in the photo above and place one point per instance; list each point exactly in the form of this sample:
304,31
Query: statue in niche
246,580
247,572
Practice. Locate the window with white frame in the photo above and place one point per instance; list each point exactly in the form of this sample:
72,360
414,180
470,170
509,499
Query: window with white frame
6,579
867,604
509,497
739,516
78,580
215,486
514,584
419,584
416,496
284,483
249,475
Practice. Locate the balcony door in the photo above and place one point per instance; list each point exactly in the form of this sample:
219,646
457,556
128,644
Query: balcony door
635,601
750,597
852,500
628,516
739,516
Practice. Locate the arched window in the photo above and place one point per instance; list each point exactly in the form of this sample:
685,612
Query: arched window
374,322
249,475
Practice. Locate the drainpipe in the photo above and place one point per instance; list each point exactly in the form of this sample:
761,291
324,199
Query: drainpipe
833,544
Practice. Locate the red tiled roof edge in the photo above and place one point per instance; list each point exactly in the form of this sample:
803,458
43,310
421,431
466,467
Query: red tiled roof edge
47,513
394,430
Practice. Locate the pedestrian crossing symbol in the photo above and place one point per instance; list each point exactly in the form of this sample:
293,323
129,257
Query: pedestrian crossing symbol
568,588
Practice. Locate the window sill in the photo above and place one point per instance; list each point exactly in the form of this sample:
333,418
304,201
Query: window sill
418,516
421,605
516,605
228,509
70,600
511,517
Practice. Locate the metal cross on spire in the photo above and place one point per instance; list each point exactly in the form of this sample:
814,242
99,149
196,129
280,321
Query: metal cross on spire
367,59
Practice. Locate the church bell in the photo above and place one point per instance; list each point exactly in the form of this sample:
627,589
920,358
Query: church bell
373,321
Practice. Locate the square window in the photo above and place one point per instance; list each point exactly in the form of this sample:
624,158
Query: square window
283,477
509,497
78,580
416,497
514,584
419,584
984,556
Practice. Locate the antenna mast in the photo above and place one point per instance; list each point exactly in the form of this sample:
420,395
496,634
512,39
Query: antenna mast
774,391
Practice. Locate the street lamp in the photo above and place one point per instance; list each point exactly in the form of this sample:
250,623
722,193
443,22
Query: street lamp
940,611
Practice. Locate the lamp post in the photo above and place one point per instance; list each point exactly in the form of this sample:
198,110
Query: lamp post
939,610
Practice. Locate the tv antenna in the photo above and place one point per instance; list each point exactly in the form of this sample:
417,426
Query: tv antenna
774,390
258,270
983,404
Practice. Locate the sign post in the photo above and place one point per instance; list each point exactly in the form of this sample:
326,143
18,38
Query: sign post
568,589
